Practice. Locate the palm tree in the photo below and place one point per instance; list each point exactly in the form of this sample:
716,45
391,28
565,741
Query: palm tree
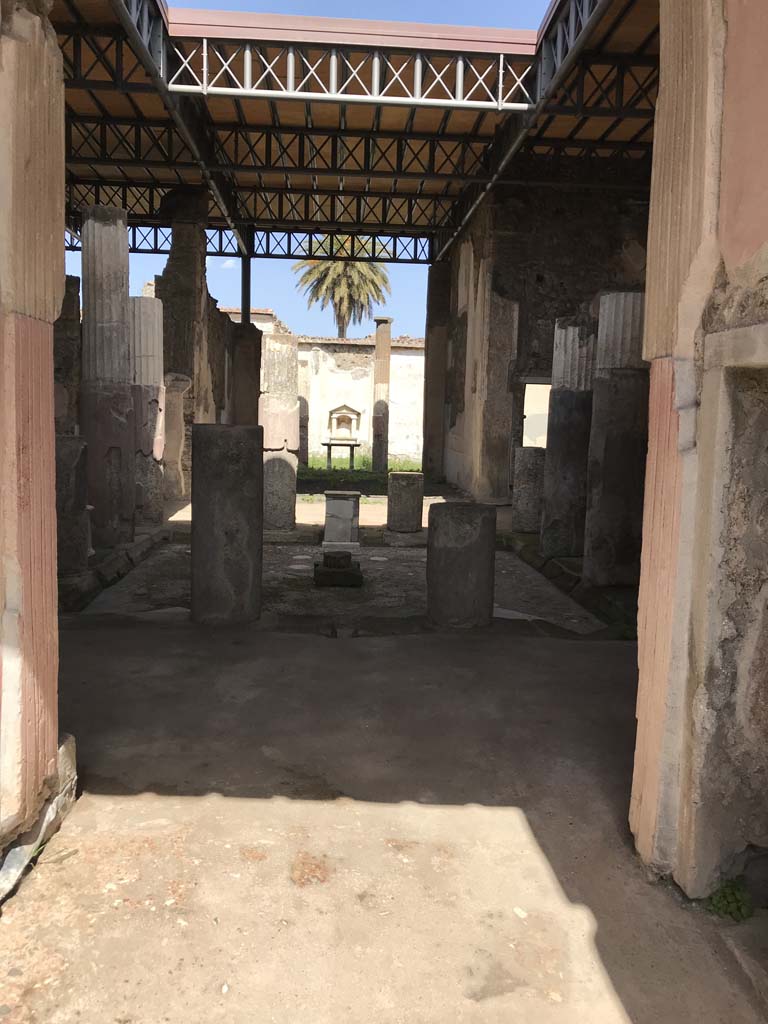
349,286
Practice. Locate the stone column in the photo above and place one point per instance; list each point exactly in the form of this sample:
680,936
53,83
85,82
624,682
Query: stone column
146,337
31,292
106,394
67,359
568,427
435,368
618,445
381,360
174,480
73,526
405,501
279,416
461,551
227,524
527,489
183,290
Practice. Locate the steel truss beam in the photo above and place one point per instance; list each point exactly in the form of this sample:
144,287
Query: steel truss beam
317,73
283,209
127,142
609,85
562,36
290,245
101,59
143,23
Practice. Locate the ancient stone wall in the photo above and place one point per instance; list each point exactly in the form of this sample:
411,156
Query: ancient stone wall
555,250
334,373
198,336
484,403
67,359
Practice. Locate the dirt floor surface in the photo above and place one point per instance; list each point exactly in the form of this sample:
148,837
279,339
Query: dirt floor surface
412,829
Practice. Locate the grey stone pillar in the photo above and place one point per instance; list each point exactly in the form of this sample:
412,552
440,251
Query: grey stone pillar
279,415
461,550
435,368
174,480
405,501
246,374
67,360
73,527
106,393
564,506
227,524
381,361
527,489
618,445
146,338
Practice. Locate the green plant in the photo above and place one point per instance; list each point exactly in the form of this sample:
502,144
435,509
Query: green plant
351,288
731,900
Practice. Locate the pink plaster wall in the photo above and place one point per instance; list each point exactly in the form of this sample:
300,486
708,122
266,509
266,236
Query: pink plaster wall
656,607
29,666
744,182
31,293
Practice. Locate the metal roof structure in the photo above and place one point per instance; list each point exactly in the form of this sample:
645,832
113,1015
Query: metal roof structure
331,138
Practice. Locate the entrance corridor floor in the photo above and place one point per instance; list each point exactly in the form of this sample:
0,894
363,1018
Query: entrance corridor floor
415,829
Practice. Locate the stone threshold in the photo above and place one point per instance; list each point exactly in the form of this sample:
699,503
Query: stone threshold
615,606
77,591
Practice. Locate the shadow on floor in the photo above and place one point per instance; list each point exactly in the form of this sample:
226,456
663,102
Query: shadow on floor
542,725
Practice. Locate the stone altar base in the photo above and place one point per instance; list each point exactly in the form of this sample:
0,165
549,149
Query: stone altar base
342,521
338,570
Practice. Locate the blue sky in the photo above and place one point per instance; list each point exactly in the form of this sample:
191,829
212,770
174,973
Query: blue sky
272,281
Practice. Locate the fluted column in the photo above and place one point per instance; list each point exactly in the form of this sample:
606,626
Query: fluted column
618,445
106,396
381,360
145,322
564,504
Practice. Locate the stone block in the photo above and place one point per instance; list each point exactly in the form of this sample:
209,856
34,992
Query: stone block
227,522
461,552
405,500
342,521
